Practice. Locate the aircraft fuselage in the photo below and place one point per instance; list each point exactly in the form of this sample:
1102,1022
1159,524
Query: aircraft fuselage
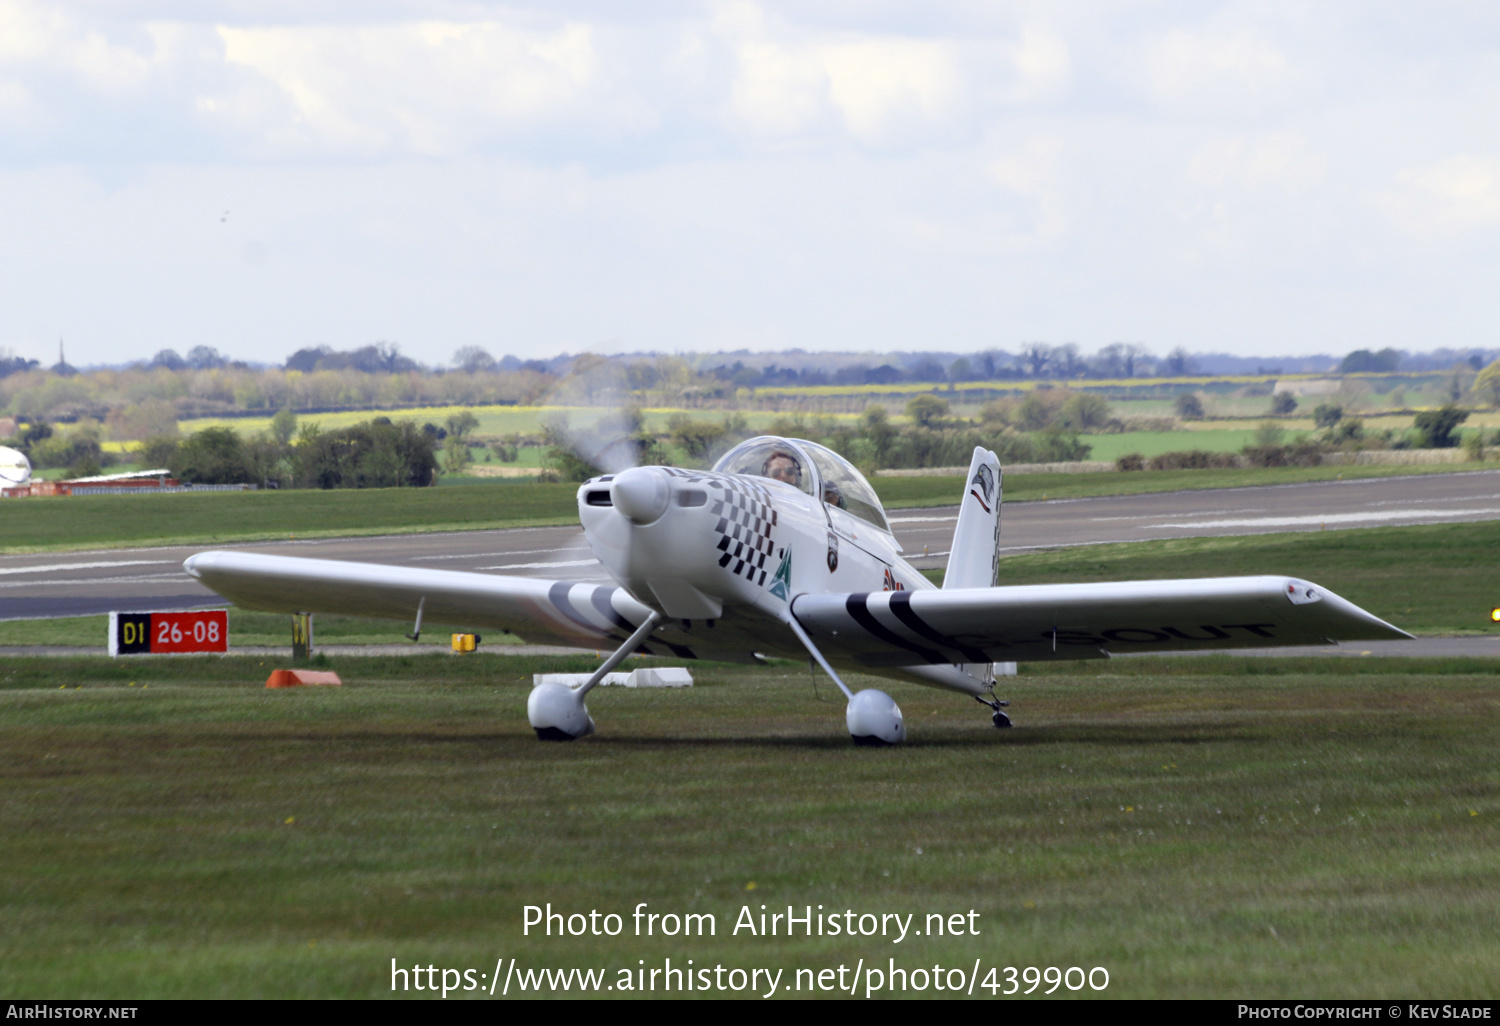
724,555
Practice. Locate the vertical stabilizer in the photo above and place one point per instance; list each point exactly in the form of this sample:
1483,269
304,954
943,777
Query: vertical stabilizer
973,561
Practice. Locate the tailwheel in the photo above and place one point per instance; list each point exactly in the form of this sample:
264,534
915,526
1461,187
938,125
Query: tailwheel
997,706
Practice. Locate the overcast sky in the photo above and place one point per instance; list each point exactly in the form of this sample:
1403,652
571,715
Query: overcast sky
1261,178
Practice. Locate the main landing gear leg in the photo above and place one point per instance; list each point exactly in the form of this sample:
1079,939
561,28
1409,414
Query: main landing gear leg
557,712
873,717
1000,719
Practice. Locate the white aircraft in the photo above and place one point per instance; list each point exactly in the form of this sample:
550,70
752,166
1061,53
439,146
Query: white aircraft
784,550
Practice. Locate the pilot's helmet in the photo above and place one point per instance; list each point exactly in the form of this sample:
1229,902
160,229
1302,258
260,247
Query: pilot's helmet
832,495
783,466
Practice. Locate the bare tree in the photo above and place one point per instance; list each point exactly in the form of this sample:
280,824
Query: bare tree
1109,362
1179,362
205,358
471,359
390,355
1036,356
1066,361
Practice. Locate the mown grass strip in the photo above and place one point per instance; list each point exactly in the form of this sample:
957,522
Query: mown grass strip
116,521
247,628
911,492
37,524
1204,832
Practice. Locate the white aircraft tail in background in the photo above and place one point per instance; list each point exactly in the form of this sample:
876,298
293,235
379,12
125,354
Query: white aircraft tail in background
975,557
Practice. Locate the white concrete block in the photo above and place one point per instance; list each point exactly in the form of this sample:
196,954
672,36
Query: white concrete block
645,677
661,677
575,680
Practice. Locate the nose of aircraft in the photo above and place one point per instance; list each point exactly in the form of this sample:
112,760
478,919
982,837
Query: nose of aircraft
641,494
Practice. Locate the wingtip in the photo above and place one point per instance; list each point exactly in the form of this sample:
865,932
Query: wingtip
193,565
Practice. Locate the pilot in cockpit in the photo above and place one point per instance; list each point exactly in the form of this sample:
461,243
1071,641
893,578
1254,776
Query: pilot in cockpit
783,466
832,495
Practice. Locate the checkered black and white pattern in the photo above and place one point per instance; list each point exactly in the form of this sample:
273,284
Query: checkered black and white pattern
745,521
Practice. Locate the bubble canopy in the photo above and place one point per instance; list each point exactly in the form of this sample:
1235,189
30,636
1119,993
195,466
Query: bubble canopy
809,467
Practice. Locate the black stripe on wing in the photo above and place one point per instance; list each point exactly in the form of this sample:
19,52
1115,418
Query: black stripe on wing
901,606
859,610
558,595
600,597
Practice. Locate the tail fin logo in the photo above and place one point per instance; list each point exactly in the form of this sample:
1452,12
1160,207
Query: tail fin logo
983,486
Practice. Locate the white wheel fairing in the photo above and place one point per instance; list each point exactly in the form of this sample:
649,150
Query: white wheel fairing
557,713
874,718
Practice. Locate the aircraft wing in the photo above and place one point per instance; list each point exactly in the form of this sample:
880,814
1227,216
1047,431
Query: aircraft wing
541,612
1081,621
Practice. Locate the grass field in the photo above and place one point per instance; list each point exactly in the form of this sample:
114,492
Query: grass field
898,492
251,629
1154,443
1206,827
114,521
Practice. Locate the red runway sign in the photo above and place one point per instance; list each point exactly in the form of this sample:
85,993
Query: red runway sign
157,633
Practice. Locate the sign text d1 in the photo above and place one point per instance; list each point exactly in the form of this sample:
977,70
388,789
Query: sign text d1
158,633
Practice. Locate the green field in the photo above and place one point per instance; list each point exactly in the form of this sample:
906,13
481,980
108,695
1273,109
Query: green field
185,518
898,492
1154,443
114,521
1207,827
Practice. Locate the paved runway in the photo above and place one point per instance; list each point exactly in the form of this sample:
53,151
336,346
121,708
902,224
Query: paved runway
77,583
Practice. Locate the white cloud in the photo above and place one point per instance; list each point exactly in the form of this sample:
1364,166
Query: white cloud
1229,69
432,88
1035,173
1252,161
1043,64
879,85
1453,196
880,90
874,88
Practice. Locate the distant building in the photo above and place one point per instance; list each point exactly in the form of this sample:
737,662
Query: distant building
159,480
62,368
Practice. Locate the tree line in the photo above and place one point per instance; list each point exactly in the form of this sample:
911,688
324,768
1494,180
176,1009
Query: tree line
206,382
